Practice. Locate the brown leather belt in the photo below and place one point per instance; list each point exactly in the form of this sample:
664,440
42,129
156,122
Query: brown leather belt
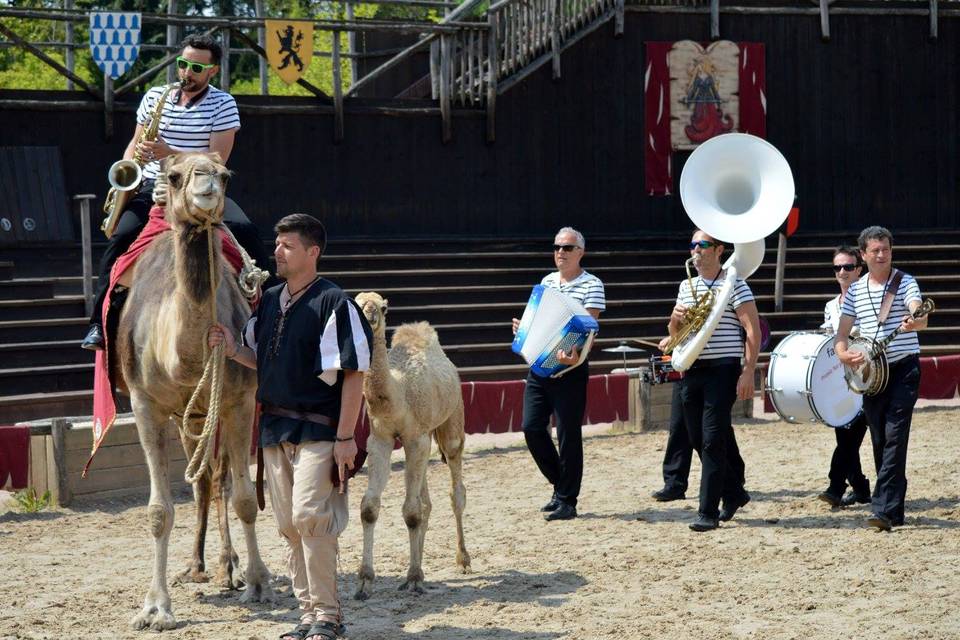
317,418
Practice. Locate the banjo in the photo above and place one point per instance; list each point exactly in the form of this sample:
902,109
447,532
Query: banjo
871,377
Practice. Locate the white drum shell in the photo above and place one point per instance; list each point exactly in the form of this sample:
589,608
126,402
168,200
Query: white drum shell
806,384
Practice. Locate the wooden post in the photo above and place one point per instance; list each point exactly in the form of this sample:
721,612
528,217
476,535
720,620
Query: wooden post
825,20
337,90
434,70
352,45
445,87
781,265
68,56
225,61
714,19
493,44
933,20
61,490
618,19
262,41
172,39
555,39
107,107
643,406
87,250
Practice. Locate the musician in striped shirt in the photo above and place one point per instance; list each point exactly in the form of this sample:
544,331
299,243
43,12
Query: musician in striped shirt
889,413
564,397
196,117
717,378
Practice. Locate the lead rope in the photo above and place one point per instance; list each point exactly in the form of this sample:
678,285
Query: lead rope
212,370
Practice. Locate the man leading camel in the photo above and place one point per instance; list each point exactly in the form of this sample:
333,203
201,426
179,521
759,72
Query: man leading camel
310,344
197,117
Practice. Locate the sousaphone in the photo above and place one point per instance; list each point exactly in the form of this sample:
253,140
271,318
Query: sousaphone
737,188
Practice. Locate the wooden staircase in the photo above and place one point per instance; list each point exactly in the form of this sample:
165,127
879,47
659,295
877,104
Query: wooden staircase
468,289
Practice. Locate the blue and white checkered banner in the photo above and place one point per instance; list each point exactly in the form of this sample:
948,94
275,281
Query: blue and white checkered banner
114,41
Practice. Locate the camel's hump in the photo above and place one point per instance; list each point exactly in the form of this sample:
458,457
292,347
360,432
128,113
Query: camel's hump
414,336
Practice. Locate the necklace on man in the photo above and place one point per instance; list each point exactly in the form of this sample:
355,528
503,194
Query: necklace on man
282,316
291,296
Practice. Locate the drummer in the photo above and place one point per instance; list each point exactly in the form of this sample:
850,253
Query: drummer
845,465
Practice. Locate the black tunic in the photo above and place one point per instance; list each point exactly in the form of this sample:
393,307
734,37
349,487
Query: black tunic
323,333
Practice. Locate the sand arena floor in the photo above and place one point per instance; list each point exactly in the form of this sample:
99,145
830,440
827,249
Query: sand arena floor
628,567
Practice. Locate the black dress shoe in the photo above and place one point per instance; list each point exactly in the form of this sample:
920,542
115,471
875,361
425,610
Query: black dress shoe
667,495
552,505
730,507
882,523
831,499
703,523
94,339
853,497
562,512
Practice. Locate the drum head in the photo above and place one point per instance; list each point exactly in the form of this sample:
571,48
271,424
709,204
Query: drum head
834,403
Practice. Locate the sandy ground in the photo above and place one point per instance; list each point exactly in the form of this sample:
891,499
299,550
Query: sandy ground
628,567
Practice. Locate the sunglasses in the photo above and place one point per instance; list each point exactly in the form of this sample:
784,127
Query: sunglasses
845,267
196,67
565,247
703,244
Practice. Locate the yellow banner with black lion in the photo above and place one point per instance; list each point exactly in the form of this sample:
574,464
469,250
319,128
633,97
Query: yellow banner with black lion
289,47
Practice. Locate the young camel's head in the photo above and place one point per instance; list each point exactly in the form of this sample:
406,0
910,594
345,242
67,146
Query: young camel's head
374,308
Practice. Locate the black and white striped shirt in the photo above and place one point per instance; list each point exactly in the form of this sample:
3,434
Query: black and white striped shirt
727,339
188,128
587,289
863,302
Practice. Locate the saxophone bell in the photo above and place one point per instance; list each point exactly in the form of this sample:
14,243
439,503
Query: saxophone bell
124,175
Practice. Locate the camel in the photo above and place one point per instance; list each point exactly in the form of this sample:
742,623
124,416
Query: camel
412,391
161,352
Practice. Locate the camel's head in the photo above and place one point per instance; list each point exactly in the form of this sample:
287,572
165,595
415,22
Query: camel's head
374,308
196,187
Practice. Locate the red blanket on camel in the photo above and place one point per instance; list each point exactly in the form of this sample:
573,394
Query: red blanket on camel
104,407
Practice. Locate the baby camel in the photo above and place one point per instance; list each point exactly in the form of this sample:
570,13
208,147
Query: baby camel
412,391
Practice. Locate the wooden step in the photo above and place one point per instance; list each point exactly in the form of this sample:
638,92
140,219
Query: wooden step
41,308
43,353
13,331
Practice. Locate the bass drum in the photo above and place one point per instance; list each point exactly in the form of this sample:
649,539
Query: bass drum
806,384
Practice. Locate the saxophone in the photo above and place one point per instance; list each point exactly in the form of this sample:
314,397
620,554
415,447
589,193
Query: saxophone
125,176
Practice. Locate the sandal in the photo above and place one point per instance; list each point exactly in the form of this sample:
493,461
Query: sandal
299,632
326,630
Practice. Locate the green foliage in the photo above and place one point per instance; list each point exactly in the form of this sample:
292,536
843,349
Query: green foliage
20,69
26,501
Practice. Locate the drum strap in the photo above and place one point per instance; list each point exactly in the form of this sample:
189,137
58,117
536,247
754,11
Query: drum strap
888,297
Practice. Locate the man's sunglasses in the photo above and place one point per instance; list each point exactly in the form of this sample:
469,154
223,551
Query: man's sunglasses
703,244
845,267
196,67
565,247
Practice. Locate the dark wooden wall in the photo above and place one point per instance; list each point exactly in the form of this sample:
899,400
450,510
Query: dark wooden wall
868,122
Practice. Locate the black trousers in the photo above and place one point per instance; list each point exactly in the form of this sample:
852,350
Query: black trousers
845,464
565,398
134,219
708,392
889,415
679,452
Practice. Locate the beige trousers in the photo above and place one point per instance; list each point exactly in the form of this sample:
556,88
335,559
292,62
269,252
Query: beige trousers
310,514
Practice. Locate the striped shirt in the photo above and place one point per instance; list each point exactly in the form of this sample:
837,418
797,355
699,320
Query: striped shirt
727,339
188,128
587,289
831,317
863,303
